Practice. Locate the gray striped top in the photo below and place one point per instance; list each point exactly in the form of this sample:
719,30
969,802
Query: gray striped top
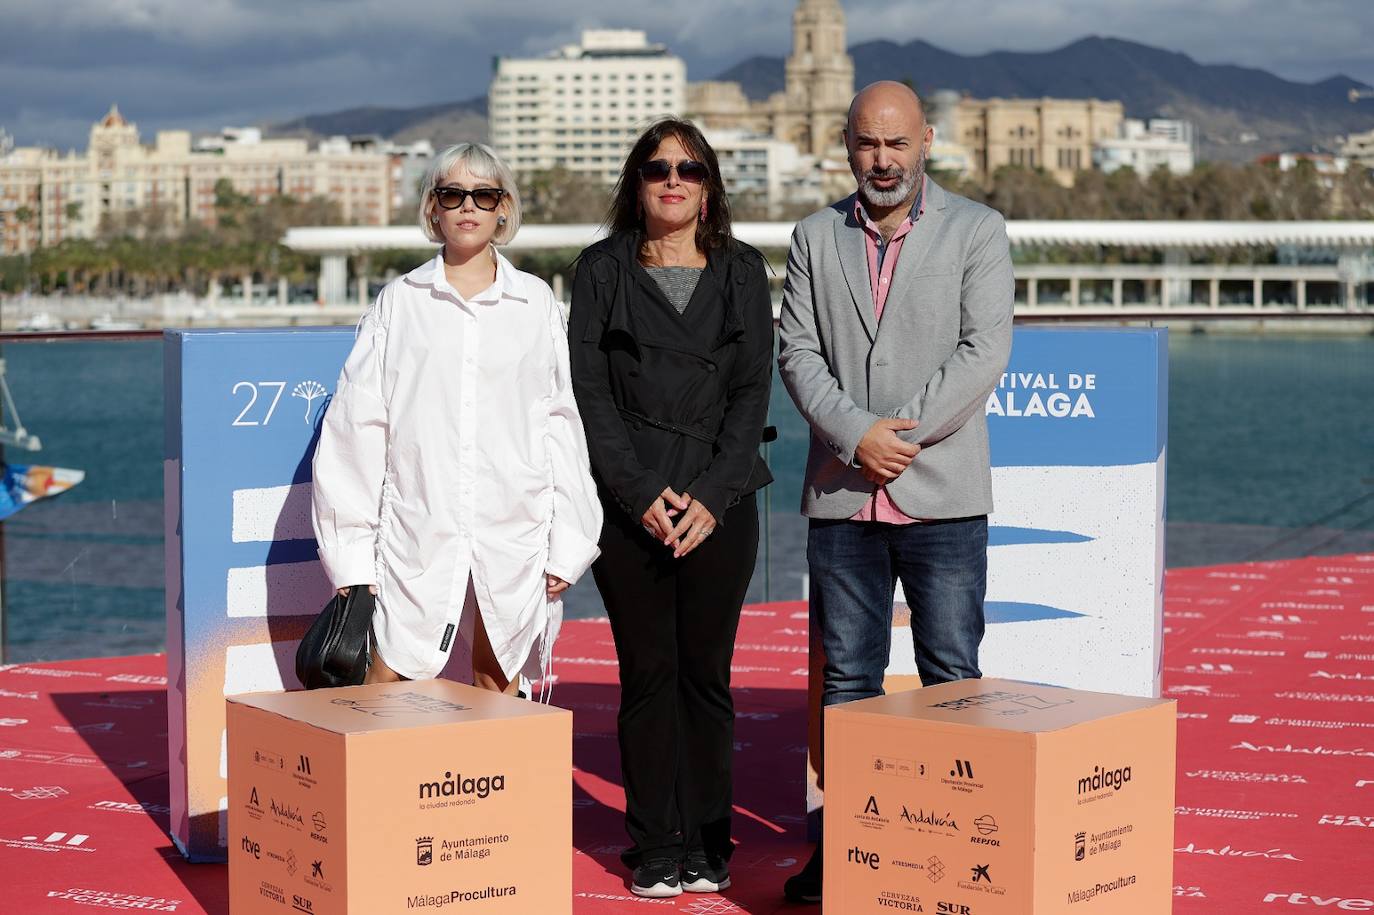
677,283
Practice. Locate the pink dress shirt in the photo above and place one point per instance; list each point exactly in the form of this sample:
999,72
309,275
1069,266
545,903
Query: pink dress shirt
881,507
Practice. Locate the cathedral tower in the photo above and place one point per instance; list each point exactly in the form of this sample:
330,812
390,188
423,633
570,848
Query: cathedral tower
820,77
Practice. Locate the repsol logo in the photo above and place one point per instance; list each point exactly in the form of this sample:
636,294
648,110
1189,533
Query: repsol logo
870,858
458,786
1104,778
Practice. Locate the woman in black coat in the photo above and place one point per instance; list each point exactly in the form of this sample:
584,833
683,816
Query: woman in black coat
671,334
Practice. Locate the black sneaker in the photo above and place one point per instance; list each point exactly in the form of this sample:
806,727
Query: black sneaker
805,886
704,874
656,879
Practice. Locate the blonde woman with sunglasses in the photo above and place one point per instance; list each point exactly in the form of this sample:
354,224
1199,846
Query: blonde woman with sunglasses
452,475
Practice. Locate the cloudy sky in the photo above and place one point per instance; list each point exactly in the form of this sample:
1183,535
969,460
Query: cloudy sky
210,63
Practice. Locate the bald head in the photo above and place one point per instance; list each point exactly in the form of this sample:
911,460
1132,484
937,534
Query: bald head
896,100
888,139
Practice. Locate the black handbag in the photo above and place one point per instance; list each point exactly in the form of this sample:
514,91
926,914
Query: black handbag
335,651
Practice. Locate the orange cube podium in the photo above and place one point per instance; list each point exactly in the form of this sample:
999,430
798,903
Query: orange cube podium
398,797
995,797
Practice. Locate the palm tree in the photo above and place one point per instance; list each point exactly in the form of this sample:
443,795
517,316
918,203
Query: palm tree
25,216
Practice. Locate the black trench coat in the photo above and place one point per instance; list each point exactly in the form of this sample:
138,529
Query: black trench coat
669,399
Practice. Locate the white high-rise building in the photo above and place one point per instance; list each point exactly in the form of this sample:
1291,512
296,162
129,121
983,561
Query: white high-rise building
766,171
582,106
1145,146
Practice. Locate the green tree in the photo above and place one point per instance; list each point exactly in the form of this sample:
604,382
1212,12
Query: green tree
558,196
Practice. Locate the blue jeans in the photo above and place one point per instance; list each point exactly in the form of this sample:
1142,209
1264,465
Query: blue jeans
854,569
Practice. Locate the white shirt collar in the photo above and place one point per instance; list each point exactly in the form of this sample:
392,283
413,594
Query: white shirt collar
508,284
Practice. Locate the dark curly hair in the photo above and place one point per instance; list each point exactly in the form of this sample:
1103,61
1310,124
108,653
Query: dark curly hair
624,216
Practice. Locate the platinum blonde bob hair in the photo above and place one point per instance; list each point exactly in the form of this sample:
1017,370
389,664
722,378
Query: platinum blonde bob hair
482,161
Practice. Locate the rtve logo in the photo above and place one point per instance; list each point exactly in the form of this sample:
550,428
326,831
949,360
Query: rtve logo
1336,902
858,856
252,848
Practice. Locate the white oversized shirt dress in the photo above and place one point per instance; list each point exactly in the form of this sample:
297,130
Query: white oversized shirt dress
452,449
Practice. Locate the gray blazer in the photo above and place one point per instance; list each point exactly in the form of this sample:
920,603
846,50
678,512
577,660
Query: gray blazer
940,349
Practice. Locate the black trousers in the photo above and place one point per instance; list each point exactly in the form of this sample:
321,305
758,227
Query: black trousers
674,623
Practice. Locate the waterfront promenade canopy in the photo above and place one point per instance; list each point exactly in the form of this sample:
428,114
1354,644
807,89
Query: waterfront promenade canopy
1175,235
1343,279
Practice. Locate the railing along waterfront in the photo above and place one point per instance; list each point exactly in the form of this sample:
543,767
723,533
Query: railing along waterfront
83,572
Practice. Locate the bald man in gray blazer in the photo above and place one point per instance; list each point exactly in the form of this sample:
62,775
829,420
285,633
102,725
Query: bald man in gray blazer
896,326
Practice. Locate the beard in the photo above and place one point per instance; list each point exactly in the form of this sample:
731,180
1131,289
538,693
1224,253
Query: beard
907,180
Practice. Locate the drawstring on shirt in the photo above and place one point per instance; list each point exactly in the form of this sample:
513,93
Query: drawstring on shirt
546,656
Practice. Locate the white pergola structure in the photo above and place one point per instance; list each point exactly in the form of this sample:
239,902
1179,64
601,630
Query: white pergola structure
1340,276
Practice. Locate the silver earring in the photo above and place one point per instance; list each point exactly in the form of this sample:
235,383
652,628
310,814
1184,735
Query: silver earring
500,220
434,219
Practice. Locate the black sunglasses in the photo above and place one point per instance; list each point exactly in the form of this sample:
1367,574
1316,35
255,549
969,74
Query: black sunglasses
485,198
689,170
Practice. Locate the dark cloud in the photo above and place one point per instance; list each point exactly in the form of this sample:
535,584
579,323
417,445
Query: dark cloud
219,62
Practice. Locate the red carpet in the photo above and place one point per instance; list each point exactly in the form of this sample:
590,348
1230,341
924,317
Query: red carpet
1272,664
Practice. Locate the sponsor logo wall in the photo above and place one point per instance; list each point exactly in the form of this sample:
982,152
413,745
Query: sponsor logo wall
1078,427
243,578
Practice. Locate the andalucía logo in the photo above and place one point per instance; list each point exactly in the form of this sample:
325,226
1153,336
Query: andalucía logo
458,786
922,817
285,813
424,851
